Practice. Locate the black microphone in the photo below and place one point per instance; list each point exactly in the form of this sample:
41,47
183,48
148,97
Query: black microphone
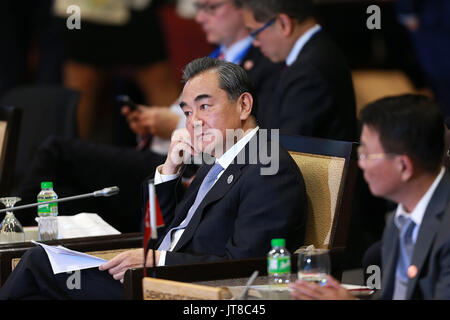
106,192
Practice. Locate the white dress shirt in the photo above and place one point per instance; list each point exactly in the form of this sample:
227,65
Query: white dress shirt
419,210
225,160
416,216
300,43
235,53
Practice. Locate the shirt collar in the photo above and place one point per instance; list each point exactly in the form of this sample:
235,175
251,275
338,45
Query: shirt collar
233,53
419,211
227,158
300,43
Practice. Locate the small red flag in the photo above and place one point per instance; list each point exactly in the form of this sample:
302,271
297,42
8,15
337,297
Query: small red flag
153,219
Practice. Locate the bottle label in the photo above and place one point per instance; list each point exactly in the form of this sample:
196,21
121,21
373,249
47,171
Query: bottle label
48,209
279,265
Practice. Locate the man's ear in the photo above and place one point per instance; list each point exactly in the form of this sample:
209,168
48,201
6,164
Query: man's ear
406,167
286,24
245,103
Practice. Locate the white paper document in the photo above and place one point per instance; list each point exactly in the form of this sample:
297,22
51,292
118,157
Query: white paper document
66,260
83,225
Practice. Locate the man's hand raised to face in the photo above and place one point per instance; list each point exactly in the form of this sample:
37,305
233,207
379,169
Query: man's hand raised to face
181,149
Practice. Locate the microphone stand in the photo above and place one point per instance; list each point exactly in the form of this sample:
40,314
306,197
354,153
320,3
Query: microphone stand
106,192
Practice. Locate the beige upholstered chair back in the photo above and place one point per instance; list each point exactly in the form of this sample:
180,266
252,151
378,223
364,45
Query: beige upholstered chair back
447,149
10,118
3,125
323,177
371,85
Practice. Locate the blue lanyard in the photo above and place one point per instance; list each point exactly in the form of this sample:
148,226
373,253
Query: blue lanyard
238,59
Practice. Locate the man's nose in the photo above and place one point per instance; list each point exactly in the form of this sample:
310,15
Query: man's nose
256,42
200,16
197,124
197,120
361,164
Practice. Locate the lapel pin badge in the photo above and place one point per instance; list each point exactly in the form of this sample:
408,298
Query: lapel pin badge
248,65
230,179
412,271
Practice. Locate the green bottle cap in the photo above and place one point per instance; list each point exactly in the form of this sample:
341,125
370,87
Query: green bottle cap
46,185
278,242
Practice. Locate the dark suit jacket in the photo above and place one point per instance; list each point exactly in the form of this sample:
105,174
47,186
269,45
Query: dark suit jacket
431,252
242,212
264,76
431,13
314,96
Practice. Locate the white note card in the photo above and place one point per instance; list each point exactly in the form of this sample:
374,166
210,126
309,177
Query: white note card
66,260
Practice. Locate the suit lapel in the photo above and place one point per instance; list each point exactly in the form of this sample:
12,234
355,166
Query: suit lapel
226,181
389,256
218,191
183,207
428,229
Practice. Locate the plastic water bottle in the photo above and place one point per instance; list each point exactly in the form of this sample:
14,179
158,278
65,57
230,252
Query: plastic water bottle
279,263
48,223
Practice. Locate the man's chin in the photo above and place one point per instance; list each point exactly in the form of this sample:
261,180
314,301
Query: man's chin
272,58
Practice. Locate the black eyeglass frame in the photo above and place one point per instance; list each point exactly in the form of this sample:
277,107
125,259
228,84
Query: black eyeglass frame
255,33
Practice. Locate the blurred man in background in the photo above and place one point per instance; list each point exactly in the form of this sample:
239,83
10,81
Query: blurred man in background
314,96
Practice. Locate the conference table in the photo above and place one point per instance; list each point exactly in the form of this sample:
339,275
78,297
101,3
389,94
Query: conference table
229,273
101,246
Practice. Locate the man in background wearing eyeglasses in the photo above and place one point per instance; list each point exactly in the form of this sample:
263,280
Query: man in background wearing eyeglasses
314,96
402,144
223,24
83,167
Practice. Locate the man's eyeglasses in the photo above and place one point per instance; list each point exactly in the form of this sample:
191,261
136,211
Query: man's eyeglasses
255,33
209,8
373,156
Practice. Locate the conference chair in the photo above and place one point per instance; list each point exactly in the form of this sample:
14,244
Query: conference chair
329,170
46,110
447,149
9,131
371,85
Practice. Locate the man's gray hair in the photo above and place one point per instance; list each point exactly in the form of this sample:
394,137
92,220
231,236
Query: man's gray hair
232,78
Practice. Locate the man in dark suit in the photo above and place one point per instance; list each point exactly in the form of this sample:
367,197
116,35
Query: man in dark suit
402,144
221,215
314,96
428,22
77,167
